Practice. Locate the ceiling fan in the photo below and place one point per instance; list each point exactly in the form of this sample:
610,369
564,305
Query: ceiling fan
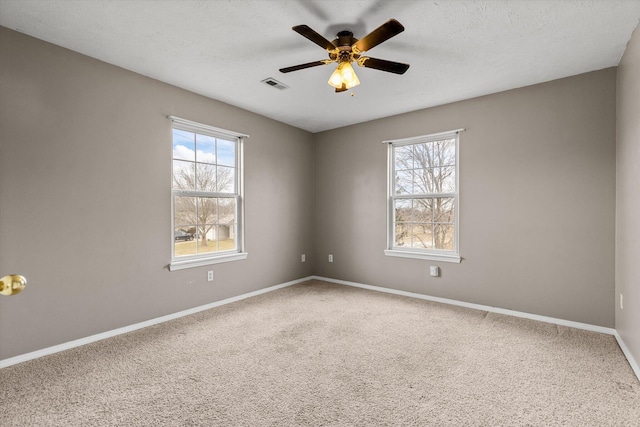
345,49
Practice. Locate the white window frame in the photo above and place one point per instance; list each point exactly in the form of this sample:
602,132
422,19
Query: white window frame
418,253
198,260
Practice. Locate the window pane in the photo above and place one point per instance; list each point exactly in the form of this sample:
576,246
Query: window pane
183,145
207,216
402,208
443,210
183,175
404,182
228,237
184,243
184,222
423,181
422,156
184,211
205,149
421,236
444,152
226,179
227,207
443,236
422,210
445,179
227,223
226,233
207,212
403,157
205,177
207,241
402,236
226,153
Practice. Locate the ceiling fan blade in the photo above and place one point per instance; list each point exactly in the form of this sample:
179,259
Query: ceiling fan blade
383,65
306,31
377,36
303,66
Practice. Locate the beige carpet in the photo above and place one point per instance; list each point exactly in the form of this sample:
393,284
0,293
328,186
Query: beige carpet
320,354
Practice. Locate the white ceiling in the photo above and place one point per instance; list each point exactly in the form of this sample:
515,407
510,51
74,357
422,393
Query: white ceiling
224,48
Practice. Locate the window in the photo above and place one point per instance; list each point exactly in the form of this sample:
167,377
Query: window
206,195
423,197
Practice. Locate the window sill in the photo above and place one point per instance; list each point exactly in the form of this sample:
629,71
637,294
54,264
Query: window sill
199,262
423,255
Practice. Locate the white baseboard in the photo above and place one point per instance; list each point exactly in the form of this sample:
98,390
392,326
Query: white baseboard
108,334
562,322
546,319
628,355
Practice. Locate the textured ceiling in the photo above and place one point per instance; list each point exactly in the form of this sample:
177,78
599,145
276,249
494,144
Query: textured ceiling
223,49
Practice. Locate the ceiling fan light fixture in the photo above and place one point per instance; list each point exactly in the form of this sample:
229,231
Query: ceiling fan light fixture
346,49
344,75
349,77
336,78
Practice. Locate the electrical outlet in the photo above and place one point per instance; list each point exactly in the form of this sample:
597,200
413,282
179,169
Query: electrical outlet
434,270
303,258
330,258
210,276
621,302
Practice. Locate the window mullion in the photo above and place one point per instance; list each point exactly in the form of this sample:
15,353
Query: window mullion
424,196
188,193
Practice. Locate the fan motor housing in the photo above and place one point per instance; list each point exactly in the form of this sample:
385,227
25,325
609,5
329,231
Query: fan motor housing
344,40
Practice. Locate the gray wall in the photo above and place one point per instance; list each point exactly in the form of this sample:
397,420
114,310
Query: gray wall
537,200
628,197
85,163
84,199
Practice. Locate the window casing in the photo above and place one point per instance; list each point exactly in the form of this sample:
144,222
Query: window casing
206,195
423,201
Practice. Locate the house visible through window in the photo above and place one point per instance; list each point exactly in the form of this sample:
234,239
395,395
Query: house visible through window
206,195
423,197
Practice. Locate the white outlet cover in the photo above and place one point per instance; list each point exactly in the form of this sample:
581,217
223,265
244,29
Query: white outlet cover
434,270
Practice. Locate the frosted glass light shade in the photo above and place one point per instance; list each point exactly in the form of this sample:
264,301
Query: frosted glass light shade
344,75
336,79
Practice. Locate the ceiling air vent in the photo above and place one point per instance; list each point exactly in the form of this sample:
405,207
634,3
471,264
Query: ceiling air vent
273,82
